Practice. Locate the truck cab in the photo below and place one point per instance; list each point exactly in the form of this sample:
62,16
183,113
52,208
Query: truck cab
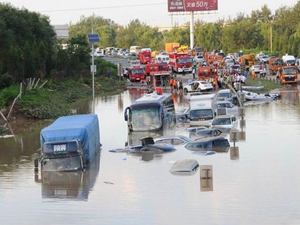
70,143
144,57
288,75
136,74
180,62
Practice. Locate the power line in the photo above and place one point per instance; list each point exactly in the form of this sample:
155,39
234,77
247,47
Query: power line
98,8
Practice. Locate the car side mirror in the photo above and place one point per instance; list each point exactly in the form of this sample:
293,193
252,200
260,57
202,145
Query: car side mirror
126,114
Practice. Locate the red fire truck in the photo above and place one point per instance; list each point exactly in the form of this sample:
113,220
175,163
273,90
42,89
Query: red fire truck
144,57
136,73
180,62
158,73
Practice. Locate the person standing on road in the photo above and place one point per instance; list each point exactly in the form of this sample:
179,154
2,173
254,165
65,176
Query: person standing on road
183,71
253,75
194,72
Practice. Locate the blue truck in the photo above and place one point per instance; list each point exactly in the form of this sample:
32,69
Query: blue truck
70,143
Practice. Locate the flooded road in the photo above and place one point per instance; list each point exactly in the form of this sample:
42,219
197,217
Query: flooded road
257,182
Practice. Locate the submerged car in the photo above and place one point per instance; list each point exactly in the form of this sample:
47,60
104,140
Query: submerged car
231,109
204,131
217,144
225,122
176,140
224,94
197,86
148,146
182,114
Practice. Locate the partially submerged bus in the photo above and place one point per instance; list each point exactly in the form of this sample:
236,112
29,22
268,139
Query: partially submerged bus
152,112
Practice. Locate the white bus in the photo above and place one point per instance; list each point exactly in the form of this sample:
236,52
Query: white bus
135,49
152,112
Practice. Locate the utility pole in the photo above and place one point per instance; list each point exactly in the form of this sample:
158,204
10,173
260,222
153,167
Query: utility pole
271,36
192,33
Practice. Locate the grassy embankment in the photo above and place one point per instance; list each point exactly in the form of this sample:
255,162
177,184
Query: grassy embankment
55,99
268,85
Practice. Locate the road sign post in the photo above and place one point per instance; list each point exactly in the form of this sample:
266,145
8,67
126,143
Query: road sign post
92,39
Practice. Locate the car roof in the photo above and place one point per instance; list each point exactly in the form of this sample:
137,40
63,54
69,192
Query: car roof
223,116
222,101
224,91
207,139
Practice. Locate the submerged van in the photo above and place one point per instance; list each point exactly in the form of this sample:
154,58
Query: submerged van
202,110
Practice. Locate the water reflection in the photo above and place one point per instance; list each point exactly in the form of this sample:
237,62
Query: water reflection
23,144
69,185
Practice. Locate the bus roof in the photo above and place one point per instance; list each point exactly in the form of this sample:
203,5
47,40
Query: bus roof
153,97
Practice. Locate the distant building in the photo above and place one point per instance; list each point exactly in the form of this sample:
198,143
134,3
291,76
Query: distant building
62,31
168,28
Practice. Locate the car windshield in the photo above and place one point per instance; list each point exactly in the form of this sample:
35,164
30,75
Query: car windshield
62,164
224,94
146,118
290,62
287,71
198,114
137,71
184,60
221,121
221,143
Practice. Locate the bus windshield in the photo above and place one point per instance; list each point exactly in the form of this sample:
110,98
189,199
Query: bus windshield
201,114
146,118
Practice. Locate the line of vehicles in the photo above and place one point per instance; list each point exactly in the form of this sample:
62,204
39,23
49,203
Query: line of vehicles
180,59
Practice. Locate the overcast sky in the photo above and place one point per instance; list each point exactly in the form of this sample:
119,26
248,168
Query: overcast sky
154,13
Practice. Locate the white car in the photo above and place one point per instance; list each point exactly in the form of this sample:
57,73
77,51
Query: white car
225,122
99,54
199,59
224,94
255,68
231,109
197,86
264,59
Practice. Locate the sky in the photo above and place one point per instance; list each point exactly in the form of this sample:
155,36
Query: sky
153,13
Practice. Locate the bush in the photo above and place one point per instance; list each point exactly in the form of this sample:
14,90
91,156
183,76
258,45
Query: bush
6,80
8,95
103,67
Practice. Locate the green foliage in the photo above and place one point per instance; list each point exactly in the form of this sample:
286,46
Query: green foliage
6,80
21,32
8,94
54,100
105,28
103,67
177,34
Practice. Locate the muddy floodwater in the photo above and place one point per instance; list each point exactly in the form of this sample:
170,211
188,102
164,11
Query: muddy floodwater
257,181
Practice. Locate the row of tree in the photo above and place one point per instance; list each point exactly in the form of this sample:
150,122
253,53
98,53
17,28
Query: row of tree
260,31
29,48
